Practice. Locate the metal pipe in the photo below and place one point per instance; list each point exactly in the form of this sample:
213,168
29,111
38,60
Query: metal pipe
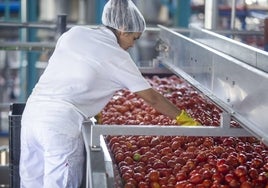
211,14
24,19
23,33
183,13
233,14
27,46
43,46
7,9
12,25
82,11
61,24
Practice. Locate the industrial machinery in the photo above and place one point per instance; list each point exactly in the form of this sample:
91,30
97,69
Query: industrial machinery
230,74
225,70
222,69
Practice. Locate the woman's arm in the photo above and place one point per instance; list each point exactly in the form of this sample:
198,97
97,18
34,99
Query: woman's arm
159,102
164,106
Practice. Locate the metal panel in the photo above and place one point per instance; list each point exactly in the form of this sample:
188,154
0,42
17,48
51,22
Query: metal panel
248,54
156,130
237,87
262,61
99,165
243,89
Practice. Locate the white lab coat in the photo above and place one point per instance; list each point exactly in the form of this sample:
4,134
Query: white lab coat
85,70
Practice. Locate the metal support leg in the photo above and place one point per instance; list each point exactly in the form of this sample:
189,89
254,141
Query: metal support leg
61,23
266,34
99,171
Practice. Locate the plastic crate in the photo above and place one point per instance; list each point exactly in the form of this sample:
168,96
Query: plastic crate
15,113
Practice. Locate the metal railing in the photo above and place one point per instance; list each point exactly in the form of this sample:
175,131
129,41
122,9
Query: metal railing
61,26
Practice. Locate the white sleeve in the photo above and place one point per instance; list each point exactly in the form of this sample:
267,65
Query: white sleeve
129,76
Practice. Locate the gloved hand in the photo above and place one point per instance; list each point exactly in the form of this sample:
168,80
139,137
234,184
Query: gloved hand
98,117
185,120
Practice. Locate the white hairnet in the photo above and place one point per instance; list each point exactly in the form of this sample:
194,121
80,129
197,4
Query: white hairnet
123,15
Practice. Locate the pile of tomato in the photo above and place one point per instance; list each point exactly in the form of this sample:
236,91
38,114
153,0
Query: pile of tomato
181,161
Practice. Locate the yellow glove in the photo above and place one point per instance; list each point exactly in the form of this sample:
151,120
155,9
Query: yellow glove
98,117
185,120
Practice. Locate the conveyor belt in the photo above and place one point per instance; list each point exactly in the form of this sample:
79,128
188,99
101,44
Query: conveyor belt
224,79
237,87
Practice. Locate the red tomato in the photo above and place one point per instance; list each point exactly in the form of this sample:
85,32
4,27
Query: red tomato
154,175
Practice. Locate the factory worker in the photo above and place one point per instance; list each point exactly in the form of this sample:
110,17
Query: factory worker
87,67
